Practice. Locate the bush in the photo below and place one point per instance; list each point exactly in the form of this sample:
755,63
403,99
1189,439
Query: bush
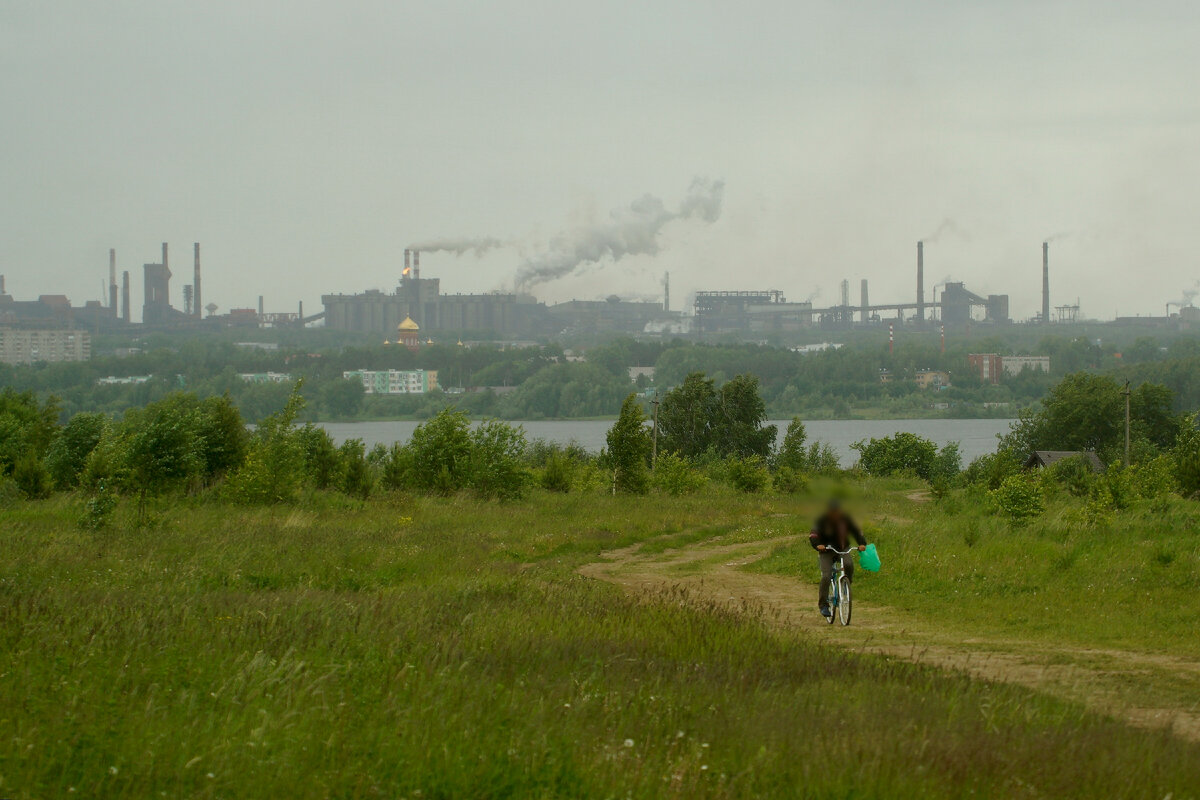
1187,457
31,477
357,480
274,469
98,510
558,472
1075,474
68,453
747,474
496,468
324,465
675,475
907,452
792,454
790,481
396,468
629,449
991,470
441,453
1019,498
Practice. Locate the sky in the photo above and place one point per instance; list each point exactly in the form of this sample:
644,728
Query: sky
305,144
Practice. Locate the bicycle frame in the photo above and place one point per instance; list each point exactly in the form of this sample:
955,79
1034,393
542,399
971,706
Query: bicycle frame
835,582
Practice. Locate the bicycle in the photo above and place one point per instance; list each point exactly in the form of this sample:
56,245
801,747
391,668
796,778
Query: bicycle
839,588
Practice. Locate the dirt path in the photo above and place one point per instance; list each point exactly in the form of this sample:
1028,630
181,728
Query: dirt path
1116,682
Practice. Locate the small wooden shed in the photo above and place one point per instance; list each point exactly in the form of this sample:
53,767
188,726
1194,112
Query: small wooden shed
1045,458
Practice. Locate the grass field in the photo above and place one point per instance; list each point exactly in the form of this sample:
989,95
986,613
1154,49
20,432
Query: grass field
449,648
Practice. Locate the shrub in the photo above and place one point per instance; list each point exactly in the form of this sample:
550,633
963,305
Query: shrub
991,470
792,454
396,467
1019,498
357,480
441,453
496,469
790,481
629,449
747,474
1156,478
1075,474
676,476
31,477
324,465
558,472
907,452
273,471
822,460
98,510
1187,457
68,453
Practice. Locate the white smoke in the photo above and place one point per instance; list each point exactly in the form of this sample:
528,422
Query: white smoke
630,232
476,245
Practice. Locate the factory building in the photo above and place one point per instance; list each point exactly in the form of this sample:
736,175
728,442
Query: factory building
991,367
32,345
754,311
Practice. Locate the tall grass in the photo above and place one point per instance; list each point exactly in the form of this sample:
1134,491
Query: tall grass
447,648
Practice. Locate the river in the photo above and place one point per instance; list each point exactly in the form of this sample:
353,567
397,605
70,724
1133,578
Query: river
976,437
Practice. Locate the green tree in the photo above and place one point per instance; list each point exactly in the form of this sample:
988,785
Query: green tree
907,452
162,449
223,435
273,471
792,453
357,480
739,428
685,416
441,453
68,453
496,462
1187,457
341,398
629,448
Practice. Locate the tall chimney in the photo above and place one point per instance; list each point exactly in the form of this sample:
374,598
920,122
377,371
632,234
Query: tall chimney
301,315
125,296
407,266
864,316
112,281
168,269
666,291
260,307
1045,283
921,281
196,309
416,273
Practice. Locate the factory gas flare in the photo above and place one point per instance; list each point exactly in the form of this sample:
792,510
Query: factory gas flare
630,232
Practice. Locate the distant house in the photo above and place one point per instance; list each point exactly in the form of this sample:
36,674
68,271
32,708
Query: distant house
1046,458
932,379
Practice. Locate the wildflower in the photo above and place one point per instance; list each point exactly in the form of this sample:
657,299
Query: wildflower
112,770
629,742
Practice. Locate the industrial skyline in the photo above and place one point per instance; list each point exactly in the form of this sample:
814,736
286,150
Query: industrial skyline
325,138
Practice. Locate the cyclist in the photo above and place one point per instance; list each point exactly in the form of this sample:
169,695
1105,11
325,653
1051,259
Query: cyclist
833,530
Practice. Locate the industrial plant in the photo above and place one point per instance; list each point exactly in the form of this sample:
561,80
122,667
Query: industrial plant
29,326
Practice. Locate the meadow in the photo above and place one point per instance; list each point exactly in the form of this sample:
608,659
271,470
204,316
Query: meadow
448,647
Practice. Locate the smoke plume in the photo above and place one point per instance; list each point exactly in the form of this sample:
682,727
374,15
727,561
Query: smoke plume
947,226
630,232
478,246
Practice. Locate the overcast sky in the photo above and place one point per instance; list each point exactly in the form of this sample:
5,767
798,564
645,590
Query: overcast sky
305,144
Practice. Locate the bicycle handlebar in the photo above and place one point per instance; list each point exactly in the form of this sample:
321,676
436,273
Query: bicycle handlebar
829,549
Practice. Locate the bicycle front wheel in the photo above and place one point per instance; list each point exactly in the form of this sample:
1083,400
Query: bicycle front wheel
844,601
833,601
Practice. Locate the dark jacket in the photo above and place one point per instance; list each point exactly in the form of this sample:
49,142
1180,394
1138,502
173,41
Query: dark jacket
835,533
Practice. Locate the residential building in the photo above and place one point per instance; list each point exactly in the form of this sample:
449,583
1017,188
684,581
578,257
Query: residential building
128,380
1015,365
932,379
991,367
265,377
30,345
395,381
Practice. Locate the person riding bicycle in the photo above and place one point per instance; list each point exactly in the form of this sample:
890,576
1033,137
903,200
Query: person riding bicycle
833,530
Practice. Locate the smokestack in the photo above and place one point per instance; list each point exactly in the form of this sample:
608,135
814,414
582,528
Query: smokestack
1,284
666,291
196,281
416,273
407,266
112,281
260,308
1045,283
168,269
125,296
301,313
921,281
863,316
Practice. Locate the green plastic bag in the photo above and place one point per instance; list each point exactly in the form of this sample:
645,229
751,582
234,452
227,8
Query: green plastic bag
869,559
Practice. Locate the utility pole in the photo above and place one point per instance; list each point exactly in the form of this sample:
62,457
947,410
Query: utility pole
1127,394
654,452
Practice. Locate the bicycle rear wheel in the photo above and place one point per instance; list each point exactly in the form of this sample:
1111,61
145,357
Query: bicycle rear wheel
833,601
844,606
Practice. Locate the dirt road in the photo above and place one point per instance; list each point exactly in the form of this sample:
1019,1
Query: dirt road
1145,689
